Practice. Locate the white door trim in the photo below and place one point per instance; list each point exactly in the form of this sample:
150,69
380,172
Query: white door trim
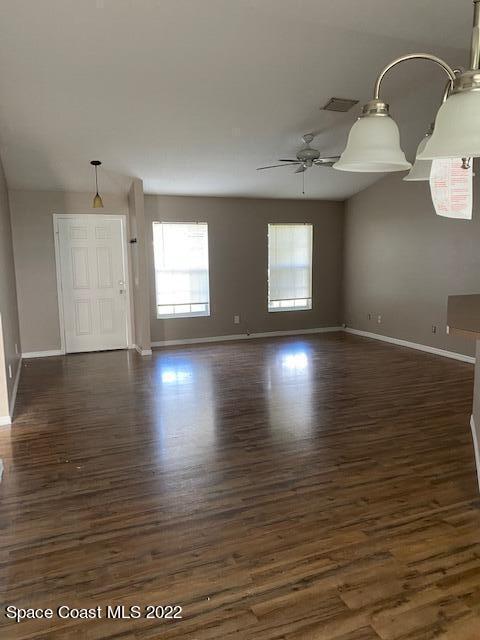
126,266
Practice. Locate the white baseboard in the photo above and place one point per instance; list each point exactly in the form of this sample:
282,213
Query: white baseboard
273,334
5,421
244,336
413,345
142,352
43,354
475,448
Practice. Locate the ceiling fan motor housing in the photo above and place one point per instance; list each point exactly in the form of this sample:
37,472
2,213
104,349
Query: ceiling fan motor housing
308,154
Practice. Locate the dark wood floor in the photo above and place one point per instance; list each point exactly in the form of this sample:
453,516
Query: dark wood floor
313,488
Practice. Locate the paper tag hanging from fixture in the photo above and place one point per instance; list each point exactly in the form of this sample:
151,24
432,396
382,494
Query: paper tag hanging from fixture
451,187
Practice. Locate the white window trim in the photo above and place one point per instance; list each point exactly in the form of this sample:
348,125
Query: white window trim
191,314
281,309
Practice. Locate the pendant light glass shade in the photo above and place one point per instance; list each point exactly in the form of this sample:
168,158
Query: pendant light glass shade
457,128
97,202
422,168
373,147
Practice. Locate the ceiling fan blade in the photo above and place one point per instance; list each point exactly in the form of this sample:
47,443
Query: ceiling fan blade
273,166
287,160
301,169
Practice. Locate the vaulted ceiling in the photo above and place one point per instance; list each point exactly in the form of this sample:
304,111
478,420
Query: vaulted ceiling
193,95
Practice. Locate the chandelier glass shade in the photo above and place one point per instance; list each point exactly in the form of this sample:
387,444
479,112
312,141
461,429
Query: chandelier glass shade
457,128
373,146
422,168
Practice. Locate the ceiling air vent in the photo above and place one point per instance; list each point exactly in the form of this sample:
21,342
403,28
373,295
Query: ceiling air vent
339,104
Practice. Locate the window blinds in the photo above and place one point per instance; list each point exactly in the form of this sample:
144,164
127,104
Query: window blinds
181,268
290,266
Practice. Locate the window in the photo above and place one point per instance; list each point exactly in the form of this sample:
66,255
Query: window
181,269
290,267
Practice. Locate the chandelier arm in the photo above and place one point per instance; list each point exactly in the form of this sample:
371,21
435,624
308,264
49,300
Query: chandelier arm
448,86
413,56
475,48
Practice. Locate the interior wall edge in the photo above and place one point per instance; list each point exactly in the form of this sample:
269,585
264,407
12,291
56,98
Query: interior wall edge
476,439
13,395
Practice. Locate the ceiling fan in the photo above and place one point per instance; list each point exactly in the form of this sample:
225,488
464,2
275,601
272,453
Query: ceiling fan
306,158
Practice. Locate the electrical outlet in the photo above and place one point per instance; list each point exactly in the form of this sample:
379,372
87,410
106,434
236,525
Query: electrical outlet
379,319
10,371
236,319
434,328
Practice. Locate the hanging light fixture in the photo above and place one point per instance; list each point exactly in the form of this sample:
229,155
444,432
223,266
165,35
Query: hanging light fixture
422,168
457,127
97,200
373,143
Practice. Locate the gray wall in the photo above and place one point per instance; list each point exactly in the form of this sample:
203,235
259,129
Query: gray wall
402,261
8,305
34,247
238,263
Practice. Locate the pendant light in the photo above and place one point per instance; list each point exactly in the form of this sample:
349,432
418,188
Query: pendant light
422,168
457,126
97,200
373,143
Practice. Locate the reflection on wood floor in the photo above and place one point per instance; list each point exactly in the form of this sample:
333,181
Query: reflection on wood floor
310,488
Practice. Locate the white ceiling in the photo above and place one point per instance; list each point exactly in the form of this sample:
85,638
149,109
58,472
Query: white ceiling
193,95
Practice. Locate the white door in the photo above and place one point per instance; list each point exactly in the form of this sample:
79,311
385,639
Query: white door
93,282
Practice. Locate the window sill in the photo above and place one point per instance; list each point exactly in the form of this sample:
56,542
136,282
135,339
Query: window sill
183,315
289,309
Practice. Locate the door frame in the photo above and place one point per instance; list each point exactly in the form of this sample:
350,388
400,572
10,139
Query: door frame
126,266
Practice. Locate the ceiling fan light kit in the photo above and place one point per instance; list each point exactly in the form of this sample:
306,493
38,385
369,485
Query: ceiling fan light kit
374,141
